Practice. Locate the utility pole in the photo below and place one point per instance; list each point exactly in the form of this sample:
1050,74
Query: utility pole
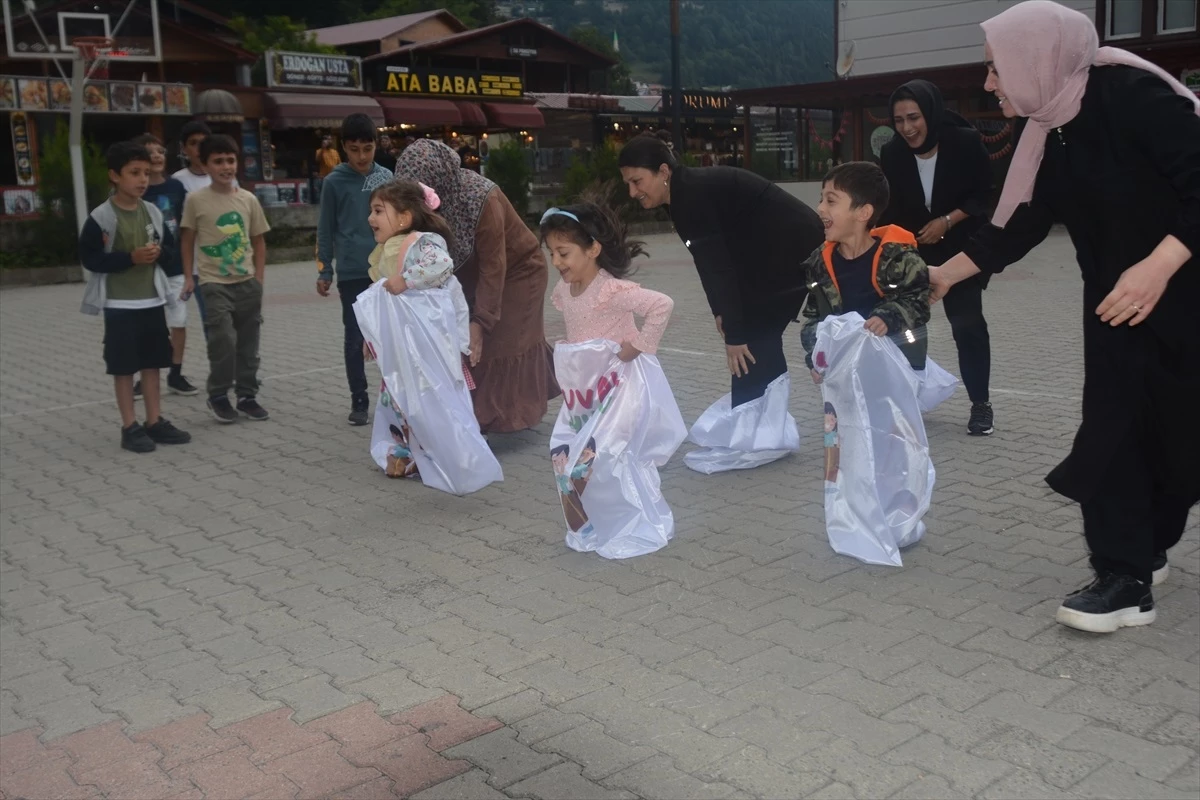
676,88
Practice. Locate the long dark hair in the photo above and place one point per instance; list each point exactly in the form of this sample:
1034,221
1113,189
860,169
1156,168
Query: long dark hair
409,196
587,222
646,151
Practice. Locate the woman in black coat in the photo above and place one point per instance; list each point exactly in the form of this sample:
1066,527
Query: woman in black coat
749,239
1111,151
941,184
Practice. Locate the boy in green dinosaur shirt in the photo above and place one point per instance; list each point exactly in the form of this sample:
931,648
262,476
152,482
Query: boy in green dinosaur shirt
223,228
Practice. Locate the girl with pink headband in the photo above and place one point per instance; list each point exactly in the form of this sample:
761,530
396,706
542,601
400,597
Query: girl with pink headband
1111,150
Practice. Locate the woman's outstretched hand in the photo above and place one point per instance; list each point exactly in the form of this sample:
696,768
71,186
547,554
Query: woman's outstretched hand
739,359
1141,286
939,284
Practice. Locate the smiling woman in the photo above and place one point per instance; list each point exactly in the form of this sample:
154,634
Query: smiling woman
941,182
1111,151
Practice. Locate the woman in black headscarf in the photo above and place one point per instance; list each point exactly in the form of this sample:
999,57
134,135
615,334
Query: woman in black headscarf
941,183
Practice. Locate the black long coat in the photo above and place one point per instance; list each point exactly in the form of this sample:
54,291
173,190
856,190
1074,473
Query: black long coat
1121,176
749,239
962,180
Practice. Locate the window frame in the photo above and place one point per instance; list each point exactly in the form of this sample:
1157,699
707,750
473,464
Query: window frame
1109,36
1160,19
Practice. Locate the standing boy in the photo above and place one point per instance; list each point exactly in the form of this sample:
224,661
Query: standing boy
874,271
223,234
343,234
122,245
166,194
193,176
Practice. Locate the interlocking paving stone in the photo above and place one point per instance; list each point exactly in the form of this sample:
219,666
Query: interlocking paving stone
272,567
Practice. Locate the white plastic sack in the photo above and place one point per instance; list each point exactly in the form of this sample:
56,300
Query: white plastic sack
745,437
424,416
878,474
934,386
618,423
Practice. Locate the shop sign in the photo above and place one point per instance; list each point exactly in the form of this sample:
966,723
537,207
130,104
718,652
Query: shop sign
251,157
593,102
22,149
448,82
313,71
112,97
709,104
522,52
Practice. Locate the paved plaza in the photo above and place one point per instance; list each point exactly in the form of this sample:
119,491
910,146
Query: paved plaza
262,613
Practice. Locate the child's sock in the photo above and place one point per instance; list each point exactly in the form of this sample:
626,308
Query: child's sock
176,370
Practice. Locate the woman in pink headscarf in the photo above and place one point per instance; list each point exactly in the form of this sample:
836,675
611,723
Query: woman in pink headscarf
1111,150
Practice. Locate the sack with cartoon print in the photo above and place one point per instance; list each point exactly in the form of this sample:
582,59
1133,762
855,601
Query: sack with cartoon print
878,473
424,421
618,424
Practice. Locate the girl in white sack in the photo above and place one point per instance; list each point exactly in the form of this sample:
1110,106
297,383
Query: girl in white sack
588,247
412,252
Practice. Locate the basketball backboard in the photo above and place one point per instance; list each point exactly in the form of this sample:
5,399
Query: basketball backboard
42,30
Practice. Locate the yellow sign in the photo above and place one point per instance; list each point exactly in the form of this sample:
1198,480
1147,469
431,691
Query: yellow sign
449,83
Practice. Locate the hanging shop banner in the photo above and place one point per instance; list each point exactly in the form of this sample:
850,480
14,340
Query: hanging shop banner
313,71
448,82
116,97
23,149
708,104
251,157
267,152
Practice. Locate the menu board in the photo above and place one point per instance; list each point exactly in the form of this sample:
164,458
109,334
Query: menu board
22,148
8,93
54,94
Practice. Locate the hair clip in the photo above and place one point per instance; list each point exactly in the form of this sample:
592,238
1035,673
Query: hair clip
550,212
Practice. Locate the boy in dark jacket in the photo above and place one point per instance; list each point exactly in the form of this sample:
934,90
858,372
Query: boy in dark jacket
124,245
343,234
874,271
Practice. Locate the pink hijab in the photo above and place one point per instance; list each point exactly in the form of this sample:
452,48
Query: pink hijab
1042,51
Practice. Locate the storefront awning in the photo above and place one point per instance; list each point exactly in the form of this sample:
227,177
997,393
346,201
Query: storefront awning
419,111
516,116
472,114
313,110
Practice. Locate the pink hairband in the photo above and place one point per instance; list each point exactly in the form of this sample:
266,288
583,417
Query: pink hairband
431,197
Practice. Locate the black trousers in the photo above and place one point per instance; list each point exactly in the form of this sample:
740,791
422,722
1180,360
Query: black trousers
769,364
356,371
964,309
1129,518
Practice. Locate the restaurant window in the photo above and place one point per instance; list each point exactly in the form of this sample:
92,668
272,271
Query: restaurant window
1124,19
1176,16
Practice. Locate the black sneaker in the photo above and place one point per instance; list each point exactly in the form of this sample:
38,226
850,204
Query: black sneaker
980,423
222,409
250,407
163,432
136,440
181,385
358,411
1109,602
1162,570
137,389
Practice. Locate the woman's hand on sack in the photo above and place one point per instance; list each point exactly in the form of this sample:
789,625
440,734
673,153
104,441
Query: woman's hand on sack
876,326
1141,286
739,359
816,376
939,285
628,352
368,354
396,284
476,343
934,231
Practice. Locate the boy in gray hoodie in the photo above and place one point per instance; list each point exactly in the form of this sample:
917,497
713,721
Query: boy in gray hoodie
343,235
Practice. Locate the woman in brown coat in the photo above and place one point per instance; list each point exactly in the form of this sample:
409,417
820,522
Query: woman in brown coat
503,272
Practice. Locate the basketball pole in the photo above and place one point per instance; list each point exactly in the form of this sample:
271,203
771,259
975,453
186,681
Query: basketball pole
75,137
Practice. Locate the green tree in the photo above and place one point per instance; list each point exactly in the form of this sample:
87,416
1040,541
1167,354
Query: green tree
472,13
508,165
259,35
618,79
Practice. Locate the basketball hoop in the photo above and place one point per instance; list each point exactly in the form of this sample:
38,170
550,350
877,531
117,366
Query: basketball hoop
90,48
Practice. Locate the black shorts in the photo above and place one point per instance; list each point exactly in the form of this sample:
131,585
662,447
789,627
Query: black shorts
136,339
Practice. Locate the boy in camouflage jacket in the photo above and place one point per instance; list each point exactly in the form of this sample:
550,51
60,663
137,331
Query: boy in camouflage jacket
874,271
